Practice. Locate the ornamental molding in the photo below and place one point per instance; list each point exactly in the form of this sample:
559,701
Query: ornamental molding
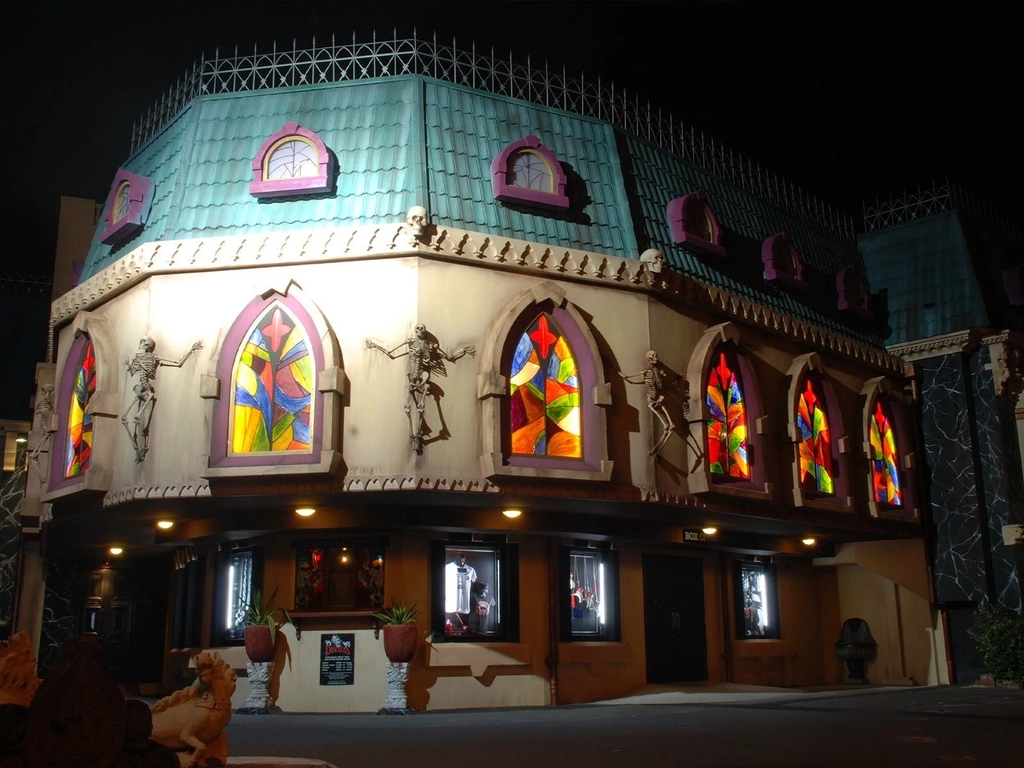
194,490
1006,352
395,240
938,346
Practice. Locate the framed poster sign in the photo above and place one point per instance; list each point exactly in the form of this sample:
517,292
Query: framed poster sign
337,658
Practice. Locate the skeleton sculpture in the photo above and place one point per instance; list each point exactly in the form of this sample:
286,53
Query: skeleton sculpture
145,364
653,377
416,223
44,410
425,357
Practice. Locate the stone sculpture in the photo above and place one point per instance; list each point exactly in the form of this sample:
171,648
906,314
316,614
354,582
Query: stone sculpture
18,678
145,363
425,357
193,720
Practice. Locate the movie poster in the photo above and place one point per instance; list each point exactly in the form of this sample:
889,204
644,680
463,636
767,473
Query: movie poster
337,659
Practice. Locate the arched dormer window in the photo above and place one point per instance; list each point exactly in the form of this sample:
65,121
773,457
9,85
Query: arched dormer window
887,439
280,387
820,477
294,161
542,390
726,419
528,172
853,293
127,208
693,222
86,405
782,262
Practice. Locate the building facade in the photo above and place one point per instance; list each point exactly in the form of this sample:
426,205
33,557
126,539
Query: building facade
413,303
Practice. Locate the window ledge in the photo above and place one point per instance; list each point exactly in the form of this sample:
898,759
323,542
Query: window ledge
479,657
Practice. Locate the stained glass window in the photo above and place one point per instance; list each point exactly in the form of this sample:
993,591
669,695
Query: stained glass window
815,439
531,172
272,403
545,388
78,453
885,477
727,427
293,159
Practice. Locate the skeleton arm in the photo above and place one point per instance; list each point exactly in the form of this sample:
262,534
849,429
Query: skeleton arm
390,352
178,363
466,350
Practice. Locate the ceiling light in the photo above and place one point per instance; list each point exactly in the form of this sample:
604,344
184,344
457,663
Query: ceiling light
21,439
164,524
511,512
115,550
304,511
709,530
809,541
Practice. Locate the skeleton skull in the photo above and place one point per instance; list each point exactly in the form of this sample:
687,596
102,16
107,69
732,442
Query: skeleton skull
653,259
416,220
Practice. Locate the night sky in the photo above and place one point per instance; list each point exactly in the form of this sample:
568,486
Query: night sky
848,101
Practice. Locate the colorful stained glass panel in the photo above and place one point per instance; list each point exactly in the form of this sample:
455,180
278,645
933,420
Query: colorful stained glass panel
727,427
815,440
272,404
885,478
544,406
78,453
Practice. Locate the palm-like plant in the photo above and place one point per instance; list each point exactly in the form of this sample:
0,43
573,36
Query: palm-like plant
398,613
261,612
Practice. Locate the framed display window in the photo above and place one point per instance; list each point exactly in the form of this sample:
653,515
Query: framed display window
757,606
239,572
475,595
339,576
589,604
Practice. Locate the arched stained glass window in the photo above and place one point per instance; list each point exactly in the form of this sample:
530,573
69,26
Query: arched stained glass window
272,398
727,427
292,159
78,451
528,170
545,393
815,439
885,477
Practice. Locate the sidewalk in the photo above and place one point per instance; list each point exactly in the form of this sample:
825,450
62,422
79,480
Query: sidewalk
712,693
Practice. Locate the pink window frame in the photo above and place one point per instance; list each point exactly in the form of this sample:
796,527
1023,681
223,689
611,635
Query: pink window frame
771,272
681,235
261,187
846,302
509,193
139,203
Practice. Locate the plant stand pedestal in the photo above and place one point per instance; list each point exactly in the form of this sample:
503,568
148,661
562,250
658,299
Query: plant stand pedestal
259,701
396,702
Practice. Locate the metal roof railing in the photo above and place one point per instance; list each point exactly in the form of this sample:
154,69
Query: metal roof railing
341,62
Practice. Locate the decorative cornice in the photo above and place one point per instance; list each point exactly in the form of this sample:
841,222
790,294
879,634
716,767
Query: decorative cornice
194,490
324,245
938,346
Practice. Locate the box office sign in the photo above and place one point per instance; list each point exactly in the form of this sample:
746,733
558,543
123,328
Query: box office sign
337,659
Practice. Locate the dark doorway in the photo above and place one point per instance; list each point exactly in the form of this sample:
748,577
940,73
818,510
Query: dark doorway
674,619
127,607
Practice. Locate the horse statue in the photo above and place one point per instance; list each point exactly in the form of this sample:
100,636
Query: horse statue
194,718
18,678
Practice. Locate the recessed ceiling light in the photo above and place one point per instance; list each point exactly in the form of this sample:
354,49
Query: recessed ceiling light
511,512
164,524
304,511
115,550
710,530
808,541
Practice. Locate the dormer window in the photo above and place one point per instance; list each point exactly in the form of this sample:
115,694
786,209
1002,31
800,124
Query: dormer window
782,262
127,208
527,172
853,294
294,161
693,223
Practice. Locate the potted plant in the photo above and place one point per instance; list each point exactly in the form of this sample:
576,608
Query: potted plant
261,626
400,630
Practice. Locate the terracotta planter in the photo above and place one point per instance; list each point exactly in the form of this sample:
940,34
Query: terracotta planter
400,641
259,644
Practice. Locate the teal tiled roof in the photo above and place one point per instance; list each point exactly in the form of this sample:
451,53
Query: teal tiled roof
467,129
926,268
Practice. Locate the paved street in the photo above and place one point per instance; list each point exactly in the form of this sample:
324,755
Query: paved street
691,727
